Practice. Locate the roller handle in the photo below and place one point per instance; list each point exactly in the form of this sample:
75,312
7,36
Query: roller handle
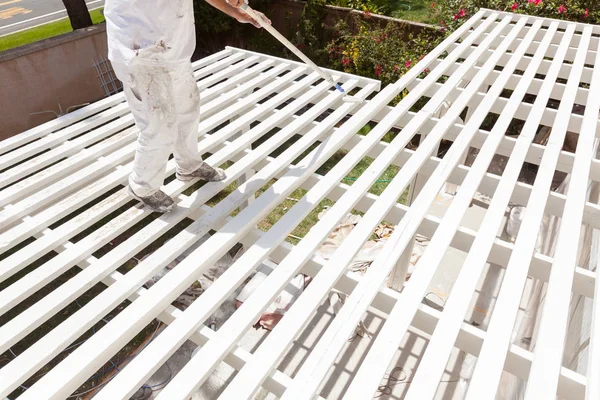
248,10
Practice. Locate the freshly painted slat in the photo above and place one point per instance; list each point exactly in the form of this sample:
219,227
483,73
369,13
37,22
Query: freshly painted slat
54,139
178,244
47,128
68,148
549,347
489,365
343,75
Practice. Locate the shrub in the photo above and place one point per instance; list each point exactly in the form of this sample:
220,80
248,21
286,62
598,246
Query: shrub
382,53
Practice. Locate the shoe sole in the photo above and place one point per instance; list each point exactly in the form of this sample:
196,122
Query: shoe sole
138,198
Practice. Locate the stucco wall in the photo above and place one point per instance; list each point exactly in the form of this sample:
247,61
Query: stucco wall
36,77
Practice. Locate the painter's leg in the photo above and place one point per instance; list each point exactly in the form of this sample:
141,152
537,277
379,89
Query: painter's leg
187,103
189,160
150,94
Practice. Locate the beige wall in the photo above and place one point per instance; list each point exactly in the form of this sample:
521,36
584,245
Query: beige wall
33,77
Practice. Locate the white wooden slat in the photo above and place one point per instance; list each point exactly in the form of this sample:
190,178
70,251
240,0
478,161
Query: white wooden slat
570,56
65,150
209,94
50,175
54,139
534,155
425,382
547,362
308,379
73,163
562,24
565,69
343,75
101,173
536,83
76,116
266,148
33,251
59,210
172,338
489,366
548,114
19,326
232,70
593,370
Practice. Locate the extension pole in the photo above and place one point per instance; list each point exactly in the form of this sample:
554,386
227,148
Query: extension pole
248,10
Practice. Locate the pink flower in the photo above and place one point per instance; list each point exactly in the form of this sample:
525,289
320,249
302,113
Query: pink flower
462,13
456,17
408,63
367,14
514,6
586,13
432,5
345,61
562,9
538,2
378,70
396,68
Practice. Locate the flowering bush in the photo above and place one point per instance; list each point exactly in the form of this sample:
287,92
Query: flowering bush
382,53
451,13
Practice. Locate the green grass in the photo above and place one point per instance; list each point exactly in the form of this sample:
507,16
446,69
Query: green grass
411,10
43,32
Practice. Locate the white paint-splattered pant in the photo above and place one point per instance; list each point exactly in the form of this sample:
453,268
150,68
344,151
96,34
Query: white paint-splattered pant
165,103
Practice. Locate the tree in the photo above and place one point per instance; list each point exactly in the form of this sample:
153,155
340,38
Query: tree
78,13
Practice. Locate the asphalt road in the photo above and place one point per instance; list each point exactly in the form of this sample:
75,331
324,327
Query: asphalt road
16,15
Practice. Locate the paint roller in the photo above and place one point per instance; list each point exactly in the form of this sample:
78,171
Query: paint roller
246,8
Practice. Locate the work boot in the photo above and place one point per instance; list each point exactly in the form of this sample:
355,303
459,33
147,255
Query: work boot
159,201
205,172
